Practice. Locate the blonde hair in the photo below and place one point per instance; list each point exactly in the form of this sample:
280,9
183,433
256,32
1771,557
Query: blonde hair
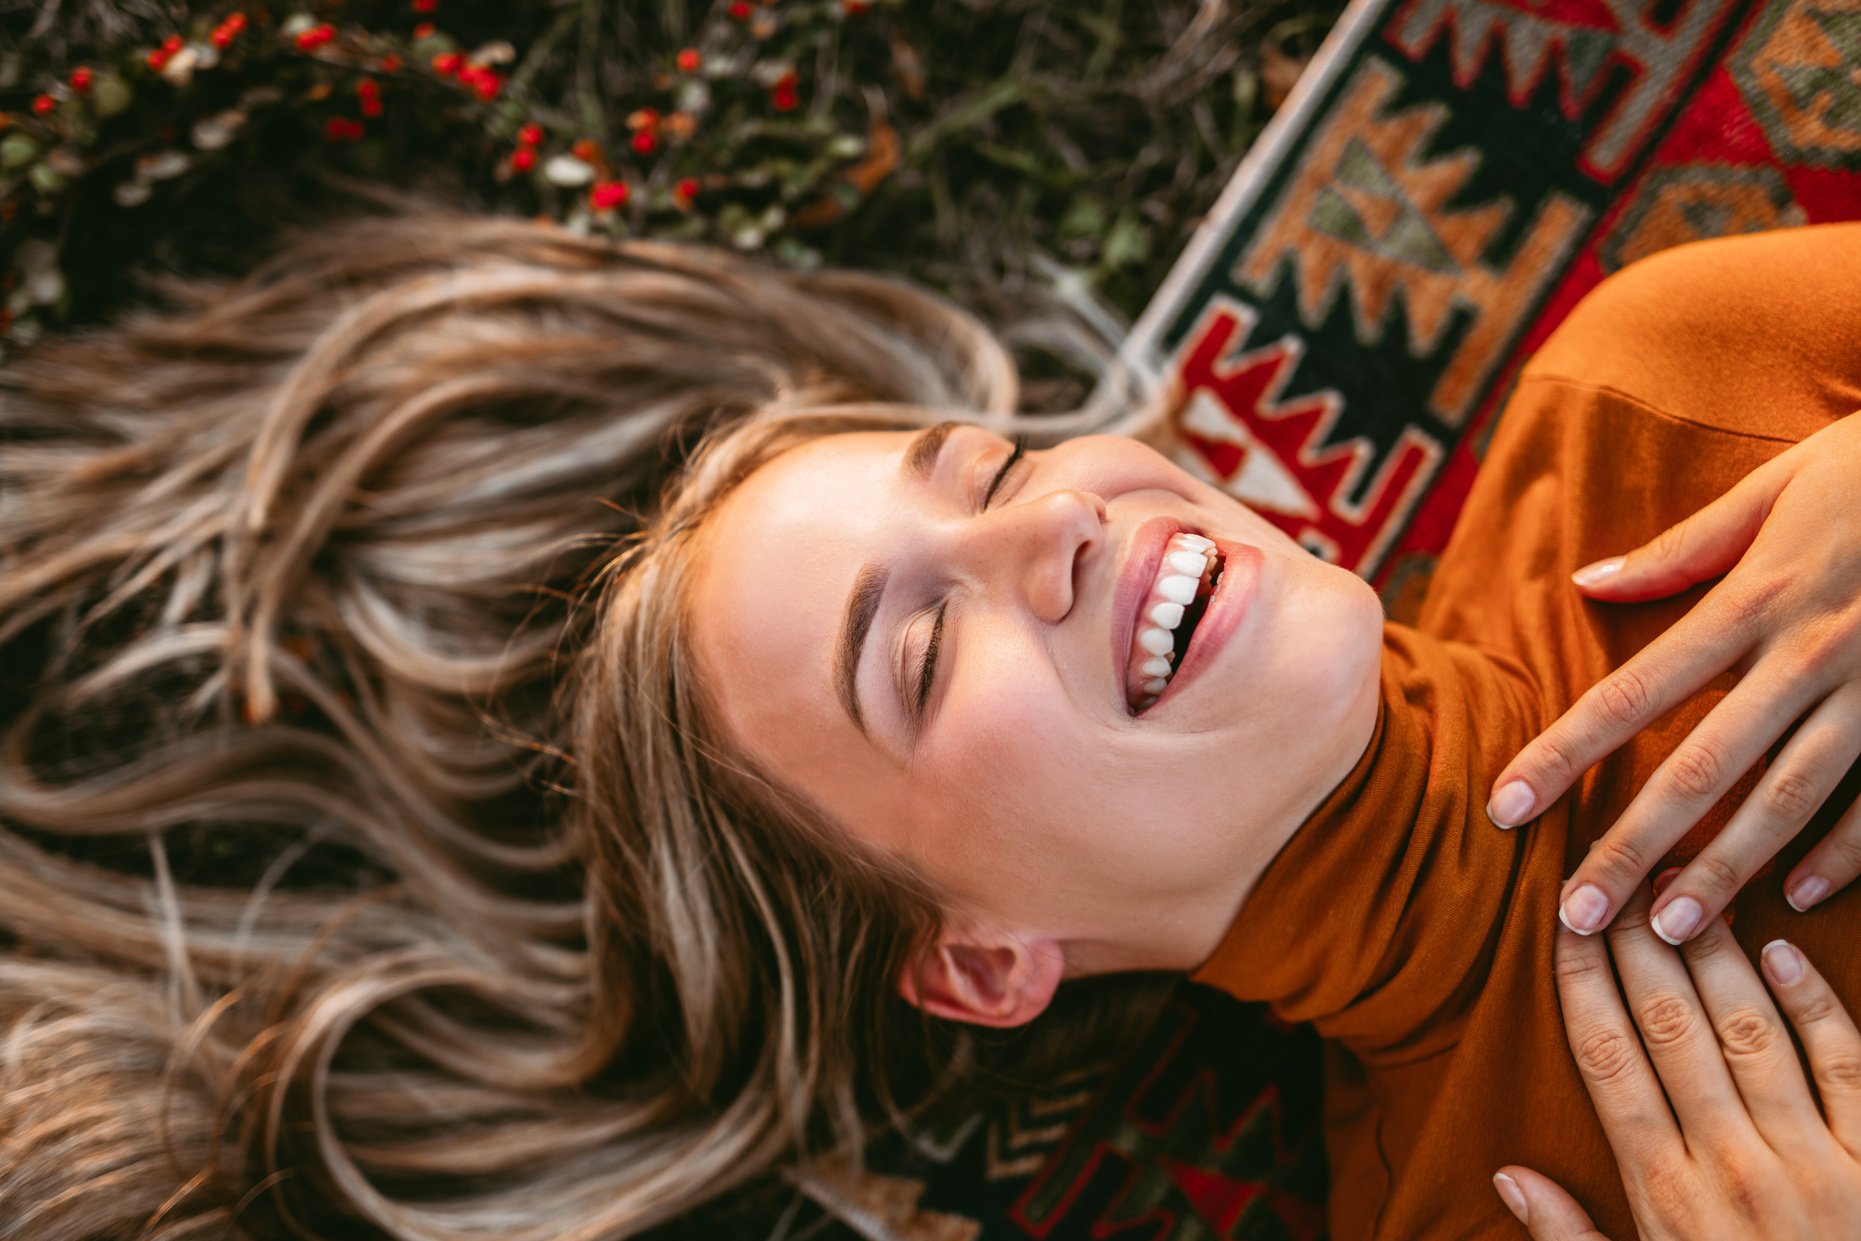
368,852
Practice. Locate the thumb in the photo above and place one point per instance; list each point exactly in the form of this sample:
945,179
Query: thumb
1702,546
1543,1207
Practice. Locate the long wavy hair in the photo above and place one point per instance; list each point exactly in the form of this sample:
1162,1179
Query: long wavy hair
369,860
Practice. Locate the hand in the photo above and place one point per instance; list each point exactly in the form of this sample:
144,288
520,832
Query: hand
1744,1153
1787,618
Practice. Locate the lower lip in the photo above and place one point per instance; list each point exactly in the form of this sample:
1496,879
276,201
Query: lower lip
1227,608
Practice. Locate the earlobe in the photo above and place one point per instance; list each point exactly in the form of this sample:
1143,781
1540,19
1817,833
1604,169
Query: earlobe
1000,982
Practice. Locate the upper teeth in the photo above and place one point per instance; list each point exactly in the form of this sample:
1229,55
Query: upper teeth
1185,562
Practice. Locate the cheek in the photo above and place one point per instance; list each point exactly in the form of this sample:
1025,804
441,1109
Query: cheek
1038,800
1014,768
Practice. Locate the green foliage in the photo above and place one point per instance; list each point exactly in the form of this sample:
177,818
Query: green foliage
983,147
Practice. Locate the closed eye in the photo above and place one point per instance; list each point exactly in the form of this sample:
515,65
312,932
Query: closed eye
1020,448
927,667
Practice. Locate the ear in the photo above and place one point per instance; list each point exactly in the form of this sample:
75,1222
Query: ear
986,978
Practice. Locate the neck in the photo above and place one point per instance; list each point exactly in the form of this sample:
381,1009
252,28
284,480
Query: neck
1373,892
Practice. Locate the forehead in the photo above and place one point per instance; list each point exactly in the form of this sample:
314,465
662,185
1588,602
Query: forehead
769,590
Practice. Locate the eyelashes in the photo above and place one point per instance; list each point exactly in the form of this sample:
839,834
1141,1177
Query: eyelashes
927,669
1014,458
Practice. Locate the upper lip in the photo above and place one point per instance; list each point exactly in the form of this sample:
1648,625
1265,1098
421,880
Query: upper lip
1143,553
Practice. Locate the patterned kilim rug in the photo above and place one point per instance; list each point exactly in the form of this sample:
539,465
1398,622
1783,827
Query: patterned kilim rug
1448,179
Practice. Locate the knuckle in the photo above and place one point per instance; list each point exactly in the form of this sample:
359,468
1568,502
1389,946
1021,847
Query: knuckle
1792,795
1577,966
1747,1188
1840,1074
1845,849
1624,694
1605,1055
1671,543
1749,609
1695,770
1815,1009
1630,920
1620,857
1667,1020
1663,1188
1813,660
1702,949
1556,765
1746,1032
1718,874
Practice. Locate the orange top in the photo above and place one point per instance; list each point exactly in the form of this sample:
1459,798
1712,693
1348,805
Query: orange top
1414,933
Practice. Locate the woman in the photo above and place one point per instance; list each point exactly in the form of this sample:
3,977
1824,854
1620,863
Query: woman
946,647
375,849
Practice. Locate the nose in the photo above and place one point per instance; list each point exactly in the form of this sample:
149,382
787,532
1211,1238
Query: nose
1031,548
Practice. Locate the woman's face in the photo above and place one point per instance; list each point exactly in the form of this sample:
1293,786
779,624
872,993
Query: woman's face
1028,782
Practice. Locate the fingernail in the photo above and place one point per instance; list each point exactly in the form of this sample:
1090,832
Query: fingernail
1807,892
1583,911
1512,1196
1782,961
1511,805
1664,878
1677,921
1601,571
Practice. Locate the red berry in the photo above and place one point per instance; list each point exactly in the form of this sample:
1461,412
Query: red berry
853,8
44,104
687,188
390,63
425,6
447,63
645,143
740,10
484,82
342,129
607,194
371,106
688,60
368,88
424,30
531,135
587,150
163,54
81,78
522,159
316,36
228,30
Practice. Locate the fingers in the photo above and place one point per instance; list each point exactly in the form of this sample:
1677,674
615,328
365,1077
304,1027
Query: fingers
1669,670
1828,1035
1705,545
1621,1082
1831,865
1692,779
1792,790
1753,1040
1682,1044
1543,1207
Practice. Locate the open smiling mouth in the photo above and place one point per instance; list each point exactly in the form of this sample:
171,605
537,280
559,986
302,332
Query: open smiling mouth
1168,616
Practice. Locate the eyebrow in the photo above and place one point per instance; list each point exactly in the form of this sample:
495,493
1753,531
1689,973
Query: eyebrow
862,605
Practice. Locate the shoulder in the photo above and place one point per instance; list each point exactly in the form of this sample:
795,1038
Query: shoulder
1757,334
